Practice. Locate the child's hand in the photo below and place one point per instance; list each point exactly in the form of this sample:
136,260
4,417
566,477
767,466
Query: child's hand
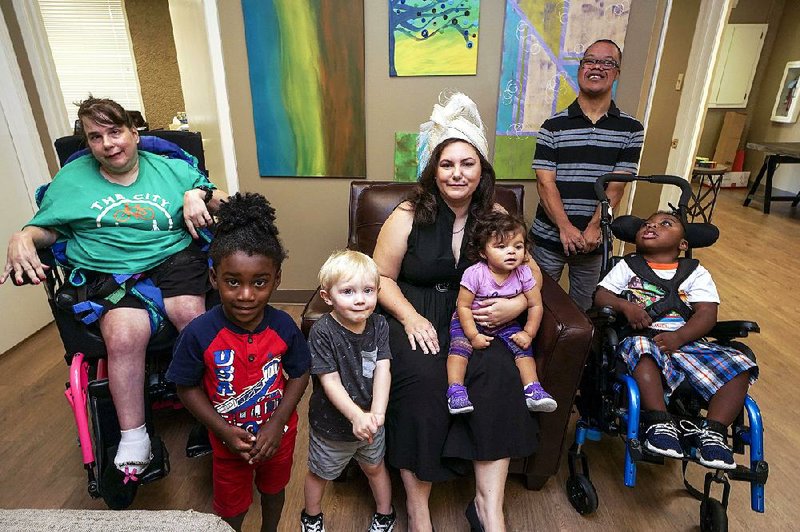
380,419
637,317
267,442
238,441
667,342
522,339
365,426
481,341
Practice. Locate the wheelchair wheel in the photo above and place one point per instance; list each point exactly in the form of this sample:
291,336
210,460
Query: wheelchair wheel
713,517
582,494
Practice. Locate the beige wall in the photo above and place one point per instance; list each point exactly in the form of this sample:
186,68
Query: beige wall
150,28
312,211
197,82
762,129
746,12
666,99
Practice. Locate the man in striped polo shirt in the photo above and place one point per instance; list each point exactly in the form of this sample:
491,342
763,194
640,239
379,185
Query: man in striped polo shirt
574,147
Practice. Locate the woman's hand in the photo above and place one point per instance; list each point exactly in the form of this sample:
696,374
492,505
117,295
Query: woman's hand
195,211
22,257
421,332
499,310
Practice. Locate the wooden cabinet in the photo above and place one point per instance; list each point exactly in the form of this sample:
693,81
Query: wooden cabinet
736,65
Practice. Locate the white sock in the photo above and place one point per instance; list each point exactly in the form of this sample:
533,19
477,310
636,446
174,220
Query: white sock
134,450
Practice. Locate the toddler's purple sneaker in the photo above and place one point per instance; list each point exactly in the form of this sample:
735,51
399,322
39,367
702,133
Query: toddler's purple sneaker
537,399
458,400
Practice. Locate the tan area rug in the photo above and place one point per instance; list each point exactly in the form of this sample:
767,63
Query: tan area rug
107,520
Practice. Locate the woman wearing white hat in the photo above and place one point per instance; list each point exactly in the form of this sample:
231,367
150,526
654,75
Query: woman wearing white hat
420,254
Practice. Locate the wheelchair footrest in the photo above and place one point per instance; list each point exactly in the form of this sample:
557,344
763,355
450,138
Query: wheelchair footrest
651,458
159,465
198,443
758,475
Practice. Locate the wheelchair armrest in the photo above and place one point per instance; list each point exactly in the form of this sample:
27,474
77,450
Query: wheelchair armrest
607,314
47,258
725,330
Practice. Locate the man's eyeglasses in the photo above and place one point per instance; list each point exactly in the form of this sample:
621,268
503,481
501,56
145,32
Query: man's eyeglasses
599,63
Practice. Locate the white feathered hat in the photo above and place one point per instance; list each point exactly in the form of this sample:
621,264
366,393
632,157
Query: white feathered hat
454,117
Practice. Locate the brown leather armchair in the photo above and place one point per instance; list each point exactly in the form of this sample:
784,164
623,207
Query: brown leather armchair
561,346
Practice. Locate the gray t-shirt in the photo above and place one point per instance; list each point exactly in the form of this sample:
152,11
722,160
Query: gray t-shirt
354,356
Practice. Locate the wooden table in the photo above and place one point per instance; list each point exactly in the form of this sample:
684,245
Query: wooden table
777,153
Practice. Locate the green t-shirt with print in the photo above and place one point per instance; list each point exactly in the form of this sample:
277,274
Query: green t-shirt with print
113,228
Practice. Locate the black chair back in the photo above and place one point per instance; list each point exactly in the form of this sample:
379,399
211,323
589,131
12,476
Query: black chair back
189,141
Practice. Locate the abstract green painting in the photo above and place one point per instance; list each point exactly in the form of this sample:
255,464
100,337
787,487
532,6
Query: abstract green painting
405,156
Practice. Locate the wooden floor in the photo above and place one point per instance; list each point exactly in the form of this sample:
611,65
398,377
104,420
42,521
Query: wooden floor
755,265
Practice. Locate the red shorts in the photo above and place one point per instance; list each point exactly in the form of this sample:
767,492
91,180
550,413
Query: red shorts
233,477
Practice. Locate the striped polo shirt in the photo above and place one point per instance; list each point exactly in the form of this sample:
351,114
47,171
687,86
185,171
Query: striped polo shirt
579,152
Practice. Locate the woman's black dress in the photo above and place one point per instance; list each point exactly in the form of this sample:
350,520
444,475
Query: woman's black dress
422,436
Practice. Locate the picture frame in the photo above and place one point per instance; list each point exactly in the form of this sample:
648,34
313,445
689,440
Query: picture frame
787,102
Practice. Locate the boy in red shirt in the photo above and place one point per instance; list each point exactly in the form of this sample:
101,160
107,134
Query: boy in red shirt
231,365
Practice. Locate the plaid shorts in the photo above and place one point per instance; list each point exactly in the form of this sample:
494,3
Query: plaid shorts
708,366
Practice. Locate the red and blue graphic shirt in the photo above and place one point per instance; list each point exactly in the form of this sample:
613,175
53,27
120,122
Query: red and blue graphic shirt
243,373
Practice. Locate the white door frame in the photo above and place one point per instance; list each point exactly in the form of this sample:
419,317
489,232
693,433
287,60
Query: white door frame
17,108
694,100
211,12
40,58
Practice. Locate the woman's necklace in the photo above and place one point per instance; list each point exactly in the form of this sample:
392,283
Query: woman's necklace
463,225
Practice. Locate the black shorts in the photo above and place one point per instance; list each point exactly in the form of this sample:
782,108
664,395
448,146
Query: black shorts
184,273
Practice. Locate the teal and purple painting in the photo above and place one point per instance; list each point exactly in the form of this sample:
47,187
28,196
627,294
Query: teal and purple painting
306,61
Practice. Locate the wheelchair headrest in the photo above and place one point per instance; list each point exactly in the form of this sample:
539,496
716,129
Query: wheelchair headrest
177,142
698,235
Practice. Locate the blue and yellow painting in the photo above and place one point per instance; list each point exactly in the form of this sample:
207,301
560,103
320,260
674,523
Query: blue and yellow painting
433,38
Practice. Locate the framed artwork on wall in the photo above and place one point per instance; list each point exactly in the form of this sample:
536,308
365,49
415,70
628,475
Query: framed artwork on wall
543,43
405,156
433,38
306,63
786,102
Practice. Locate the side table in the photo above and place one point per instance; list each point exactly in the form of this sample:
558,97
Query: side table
705,197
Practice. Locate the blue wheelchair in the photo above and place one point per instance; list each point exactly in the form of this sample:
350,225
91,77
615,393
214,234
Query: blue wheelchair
609,400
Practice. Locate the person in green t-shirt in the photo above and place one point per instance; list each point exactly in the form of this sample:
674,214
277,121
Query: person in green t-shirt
124,211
